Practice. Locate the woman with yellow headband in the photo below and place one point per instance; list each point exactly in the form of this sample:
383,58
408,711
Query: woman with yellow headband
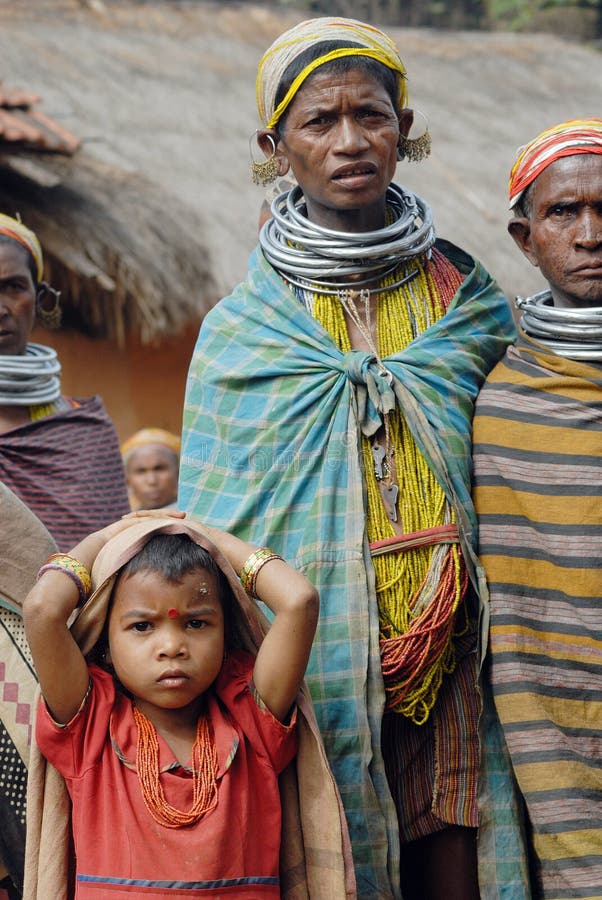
60,455
328,414
151,458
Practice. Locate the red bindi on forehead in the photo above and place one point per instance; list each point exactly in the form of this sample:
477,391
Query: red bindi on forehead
172,612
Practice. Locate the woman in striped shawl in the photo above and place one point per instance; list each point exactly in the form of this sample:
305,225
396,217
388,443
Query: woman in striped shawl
538,493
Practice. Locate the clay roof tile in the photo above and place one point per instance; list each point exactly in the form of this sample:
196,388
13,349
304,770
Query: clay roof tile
20,124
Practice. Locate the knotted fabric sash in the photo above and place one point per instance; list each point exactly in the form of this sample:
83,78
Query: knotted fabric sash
375,396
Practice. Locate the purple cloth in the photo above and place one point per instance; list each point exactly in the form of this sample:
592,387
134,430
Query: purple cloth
67,469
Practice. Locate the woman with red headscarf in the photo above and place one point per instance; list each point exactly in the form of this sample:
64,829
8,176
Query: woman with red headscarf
538,494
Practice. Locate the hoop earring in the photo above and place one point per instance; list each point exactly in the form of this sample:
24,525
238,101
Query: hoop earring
267,171
415,149
49,318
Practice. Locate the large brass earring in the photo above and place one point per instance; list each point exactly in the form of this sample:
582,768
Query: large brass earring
415,149
267,171
49,316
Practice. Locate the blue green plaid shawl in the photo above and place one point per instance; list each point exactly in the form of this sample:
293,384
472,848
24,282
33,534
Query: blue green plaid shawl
272,451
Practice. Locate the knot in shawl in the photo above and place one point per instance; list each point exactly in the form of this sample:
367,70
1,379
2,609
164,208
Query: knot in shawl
375,395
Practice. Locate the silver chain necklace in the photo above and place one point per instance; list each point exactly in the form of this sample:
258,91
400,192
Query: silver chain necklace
307,254
572,333
30,378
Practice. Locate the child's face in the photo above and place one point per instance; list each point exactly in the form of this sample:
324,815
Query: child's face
166,641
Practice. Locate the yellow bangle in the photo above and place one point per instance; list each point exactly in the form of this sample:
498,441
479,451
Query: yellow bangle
72,567
252,567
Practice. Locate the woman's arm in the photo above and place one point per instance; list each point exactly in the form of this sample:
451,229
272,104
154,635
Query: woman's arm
284,652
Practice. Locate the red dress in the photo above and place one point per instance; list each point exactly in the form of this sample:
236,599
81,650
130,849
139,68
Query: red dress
120,850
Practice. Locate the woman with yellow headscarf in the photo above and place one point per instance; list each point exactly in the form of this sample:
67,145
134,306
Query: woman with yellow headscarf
328,411
59,454
151,458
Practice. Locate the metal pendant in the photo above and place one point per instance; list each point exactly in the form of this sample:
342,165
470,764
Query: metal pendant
390,493
378,455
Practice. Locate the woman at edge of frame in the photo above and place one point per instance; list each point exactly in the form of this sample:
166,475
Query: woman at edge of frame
327,413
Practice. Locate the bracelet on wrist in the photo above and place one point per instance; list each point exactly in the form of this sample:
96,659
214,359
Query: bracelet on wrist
73,568
252,567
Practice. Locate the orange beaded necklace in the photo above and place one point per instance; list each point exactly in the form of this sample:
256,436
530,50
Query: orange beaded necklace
204,774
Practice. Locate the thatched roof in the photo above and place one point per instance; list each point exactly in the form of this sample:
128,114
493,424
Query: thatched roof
124,254
162,94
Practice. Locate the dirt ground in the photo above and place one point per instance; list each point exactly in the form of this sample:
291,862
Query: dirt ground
166,89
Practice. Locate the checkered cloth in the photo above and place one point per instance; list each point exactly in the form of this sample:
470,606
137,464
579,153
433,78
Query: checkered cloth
271,451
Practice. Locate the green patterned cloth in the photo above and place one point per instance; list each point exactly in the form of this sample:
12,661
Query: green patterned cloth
272,451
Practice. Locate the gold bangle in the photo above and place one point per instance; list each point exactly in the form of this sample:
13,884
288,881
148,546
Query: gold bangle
72,567
252,567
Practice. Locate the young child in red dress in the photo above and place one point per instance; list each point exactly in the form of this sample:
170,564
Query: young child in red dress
171,741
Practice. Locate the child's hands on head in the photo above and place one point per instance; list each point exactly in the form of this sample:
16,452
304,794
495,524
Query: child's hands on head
61,667
88,549
168,512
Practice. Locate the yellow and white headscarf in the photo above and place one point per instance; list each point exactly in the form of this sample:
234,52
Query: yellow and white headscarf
286,48
18,232
151,436
567,139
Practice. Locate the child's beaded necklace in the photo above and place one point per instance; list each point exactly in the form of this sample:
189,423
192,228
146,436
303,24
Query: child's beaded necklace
204,774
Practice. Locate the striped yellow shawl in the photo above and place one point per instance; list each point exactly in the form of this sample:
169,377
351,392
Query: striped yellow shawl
538,493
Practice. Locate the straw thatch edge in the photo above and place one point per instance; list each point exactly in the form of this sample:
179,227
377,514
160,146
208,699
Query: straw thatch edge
127,257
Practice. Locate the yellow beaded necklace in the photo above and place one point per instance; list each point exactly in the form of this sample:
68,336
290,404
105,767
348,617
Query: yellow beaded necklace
424,574
41,410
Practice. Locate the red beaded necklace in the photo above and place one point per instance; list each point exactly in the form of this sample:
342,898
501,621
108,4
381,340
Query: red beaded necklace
204,774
